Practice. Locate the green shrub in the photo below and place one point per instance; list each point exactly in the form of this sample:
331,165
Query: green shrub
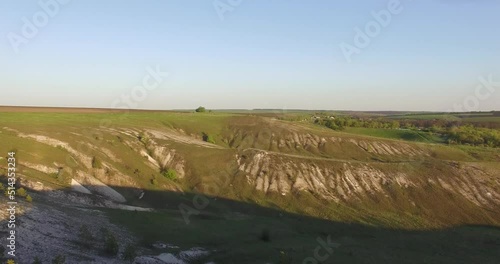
154,181
332,125
59,259
169,174
111,245
96,163
21,192
201,109
29,199
265,235
37,261
129,253
86,237
208,138
143,137
284,258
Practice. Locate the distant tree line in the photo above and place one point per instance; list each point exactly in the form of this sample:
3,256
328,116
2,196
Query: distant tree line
454,132
341,122
471,135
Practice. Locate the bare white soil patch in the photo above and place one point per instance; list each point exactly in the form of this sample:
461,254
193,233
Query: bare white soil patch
39,167
99,187
84,159
184,257
171,135
45,231
77,187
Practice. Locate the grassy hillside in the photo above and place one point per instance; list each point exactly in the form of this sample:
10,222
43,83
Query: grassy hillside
400,134
258,174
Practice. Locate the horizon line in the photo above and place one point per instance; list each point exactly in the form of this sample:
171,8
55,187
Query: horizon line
230,109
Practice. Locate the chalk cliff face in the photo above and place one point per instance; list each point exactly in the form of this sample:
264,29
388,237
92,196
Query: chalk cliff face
276,136
343,181
349,170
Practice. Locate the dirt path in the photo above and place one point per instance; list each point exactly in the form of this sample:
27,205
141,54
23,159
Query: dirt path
326,158
168,135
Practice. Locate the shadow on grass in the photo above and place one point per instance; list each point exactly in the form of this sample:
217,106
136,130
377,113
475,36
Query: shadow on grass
243,232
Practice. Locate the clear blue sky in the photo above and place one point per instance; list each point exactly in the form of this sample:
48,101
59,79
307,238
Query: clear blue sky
280,54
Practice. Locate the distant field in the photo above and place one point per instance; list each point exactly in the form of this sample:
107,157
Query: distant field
29,109
465,117
448,117
494,119
400,134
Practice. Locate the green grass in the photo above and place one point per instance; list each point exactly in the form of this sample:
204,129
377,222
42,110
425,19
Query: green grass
237,238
